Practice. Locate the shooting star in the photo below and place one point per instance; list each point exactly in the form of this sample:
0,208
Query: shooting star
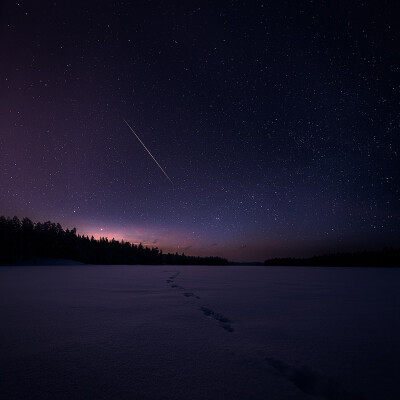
151,155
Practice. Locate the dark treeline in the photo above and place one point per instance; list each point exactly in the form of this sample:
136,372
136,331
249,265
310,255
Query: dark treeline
24,240
388,257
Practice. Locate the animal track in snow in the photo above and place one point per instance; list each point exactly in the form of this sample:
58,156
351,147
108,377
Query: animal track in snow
224,322
173,285
311,382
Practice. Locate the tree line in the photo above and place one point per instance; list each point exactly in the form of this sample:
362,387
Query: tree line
388,257
24,240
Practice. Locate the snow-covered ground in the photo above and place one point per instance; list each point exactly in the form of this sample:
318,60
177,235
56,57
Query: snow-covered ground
49,261
199,332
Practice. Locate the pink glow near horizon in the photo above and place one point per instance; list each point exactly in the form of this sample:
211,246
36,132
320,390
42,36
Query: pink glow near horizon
168,241
172,241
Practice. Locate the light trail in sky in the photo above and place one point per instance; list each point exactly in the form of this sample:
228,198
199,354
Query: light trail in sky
148,151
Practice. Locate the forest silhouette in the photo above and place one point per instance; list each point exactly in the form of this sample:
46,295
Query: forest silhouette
23,241
388,257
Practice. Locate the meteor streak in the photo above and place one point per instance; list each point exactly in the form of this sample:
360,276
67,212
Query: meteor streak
151,155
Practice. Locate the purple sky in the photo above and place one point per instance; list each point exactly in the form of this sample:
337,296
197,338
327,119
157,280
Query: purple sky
278,123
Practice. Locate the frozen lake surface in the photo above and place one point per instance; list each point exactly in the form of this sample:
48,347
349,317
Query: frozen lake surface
199,332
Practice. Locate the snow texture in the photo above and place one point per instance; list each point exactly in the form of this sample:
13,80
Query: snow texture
179,332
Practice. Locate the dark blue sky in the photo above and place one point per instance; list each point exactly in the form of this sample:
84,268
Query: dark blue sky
278,123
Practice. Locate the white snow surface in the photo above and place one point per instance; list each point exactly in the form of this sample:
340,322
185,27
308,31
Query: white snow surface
199,332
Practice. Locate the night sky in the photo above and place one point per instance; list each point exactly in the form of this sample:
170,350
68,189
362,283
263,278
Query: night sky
277,122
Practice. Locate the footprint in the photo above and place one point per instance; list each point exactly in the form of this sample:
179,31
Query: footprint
311,382
223,321
221,318
207,311
175,286
227,327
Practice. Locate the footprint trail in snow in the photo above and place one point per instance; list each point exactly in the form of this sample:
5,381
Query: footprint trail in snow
224,322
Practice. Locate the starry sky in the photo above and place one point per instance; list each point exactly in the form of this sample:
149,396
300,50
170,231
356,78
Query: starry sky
277,122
